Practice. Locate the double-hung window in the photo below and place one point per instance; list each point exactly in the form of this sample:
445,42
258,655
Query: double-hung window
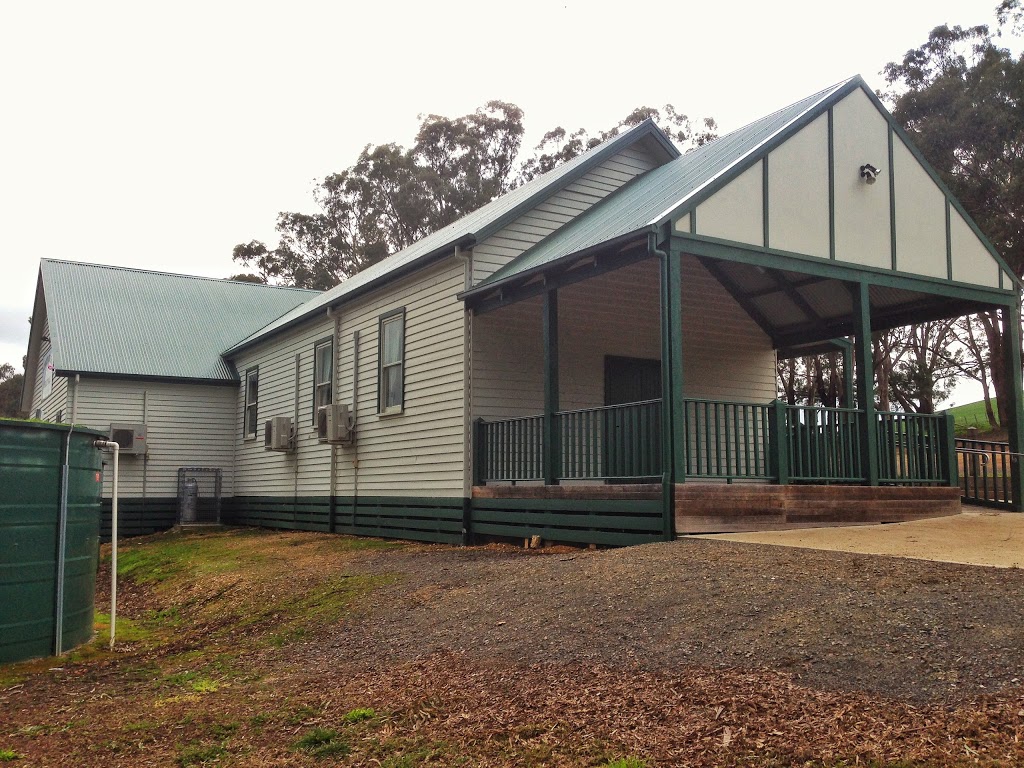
323,374
391,357
252,389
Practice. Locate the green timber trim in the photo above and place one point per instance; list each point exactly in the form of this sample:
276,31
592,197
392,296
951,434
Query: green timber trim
825,107
949,247
139,516
892,201
831,185
865,382
550,448
771,258
69,372
396,517
764,201
744,163
580,521
1015,422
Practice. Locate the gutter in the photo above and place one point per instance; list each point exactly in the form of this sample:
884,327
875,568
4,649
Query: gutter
421,262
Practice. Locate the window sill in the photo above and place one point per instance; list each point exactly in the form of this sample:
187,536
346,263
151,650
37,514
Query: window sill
390,412
249,438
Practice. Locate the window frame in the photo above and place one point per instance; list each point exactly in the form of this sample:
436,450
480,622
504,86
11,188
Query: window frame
255,405
389,317
327,341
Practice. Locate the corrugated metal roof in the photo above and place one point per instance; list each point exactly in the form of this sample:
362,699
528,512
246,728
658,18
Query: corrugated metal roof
472,227
133,322
648,200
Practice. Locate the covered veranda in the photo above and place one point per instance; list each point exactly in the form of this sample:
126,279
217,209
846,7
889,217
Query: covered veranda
658,466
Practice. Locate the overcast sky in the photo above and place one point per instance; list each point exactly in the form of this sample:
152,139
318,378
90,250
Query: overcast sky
159,135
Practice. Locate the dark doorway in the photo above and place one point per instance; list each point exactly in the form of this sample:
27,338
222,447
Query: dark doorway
632,436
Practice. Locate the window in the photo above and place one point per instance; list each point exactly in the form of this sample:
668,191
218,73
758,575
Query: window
252,388
323,374
391,354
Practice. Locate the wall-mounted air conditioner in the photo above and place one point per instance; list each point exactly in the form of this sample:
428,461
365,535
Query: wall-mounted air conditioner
130,437
278,434
335,424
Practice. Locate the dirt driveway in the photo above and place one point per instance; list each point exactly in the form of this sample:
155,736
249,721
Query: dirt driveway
974,537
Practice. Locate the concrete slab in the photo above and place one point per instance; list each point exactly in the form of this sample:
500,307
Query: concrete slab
973,538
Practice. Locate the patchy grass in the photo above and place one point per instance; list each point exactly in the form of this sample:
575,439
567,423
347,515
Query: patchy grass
626,762
200,754
358,715
323,742
9,755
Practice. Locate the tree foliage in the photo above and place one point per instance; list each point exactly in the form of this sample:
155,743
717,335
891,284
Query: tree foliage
393,196
961,98
10,391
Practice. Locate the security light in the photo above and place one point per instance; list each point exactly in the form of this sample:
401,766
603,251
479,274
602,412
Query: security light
869,173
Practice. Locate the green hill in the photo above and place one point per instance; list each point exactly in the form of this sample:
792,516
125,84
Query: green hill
971,415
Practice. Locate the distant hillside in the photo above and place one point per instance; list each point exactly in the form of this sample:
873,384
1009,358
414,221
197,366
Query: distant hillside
972,415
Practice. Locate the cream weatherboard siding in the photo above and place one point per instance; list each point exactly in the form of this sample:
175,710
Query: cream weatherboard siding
187,425
418,452
563,206
54,406
726,355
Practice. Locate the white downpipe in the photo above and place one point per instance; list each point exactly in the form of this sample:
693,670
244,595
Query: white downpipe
110,445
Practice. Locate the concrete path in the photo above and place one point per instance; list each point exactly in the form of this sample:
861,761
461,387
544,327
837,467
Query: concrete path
973,537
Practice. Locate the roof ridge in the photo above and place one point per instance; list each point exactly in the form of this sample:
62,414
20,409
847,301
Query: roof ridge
162,273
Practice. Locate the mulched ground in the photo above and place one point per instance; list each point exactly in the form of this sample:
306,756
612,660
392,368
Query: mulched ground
693,652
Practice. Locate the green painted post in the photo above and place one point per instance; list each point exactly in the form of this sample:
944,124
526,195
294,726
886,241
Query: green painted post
675,341
479,452
865,382
848,400
947,446
778,442
1014,420
550,434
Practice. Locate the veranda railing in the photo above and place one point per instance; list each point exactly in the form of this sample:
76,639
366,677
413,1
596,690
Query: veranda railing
724,441
985,476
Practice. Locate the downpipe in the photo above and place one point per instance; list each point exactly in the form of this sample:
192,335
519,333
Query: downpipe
112,446
62,543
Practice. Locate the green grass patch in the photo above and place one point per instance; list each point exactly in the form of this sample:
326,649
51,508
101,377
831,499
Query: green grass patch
192,681
972,415
323,742
358,715
9,755
626,762
179,554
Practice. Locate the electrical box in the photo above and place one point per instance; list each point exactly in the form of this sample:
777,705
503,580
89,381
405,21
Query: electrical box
334,424
278,434
130,437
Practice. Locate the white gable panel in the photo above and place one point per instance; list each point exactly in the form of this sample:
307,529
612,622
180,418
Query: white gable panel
861,136
683,223
920,217
972,263
798,192
736,211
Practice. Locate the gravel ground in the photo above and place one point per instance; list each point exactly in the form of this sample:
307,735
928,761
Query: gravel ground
914,630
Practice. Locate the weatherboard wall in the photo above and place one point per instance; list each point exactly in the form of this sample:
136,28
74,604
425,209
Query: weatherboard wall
805,199
563,206
725,354
54,406
187,425
418,452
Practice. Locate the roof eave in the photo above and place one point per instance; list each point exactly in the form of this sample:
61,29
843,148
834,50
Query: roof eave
526,275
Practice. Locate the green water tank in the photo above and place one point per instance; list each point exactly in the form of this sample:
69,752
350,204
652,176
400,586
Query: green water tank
31,464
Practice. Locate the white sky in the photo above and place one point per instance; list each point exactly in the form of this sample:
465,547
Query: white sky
159,135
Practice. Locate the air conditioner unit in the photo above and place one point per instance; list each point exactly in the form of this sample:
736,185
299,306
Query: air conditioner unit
334,424
130,437
278,434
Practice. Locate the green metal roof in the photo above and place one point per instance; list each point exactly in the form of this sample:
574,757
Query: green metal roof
652,198
471,228
132,322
